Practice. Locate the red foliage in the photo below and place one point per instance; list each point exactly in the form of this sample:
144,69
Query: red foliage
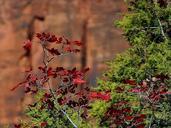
46,37
78,81
44,124
27,45
155,92
130,82
119,89
120,113
67,45
54,51
66,93
128,118
100,95
78,43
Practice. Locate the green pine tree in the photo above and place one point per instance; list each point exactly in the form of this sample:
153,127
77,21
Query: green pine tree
139,78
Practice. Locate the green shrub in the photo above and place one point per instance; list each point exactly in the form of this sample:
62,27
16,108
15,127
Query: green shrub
139,78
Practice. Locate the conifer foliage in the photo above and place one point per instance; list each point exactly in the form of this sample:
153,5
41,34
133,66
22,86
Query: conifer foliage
140,78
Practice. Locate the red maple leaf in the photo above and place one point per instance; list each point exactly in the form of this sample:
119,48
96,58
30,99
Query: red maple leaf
54,51
60,39
79,81
44,124
78,43
129,118
130,82
46,37
27,45
100,95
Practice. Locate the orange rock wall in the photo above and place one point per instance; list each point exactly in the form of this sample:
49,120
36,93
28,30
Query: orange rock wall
63,18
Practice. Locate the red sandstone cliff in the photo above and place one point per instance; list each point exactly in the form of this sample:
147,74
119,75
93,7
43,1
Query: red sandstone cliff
62,17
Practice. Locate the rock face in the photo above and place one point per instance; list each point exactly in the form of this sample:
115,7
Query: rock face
91,21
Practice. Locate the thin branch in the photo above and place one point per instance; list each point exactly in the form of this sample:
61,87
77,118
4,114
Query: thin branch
68,118
161,28
46,61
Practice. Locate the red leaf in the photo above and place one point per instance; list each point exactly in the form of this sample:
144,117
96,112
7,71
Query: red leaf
74,69
93,94
78,43
42,69
116,112
126,110
27,45
79,81
162,77
100,95
136,90
44,124
31,78
105,97
38,35
129,118
65,80
59,40
119,89
142,115
63,72
67,48
131,82
27,89
47,95
80,93
62,101
139,120
46,37
52,39
50,72
54,51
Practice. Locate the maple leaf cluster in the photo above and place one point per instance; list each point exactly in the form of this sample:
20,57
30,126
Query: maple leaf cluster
66,92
